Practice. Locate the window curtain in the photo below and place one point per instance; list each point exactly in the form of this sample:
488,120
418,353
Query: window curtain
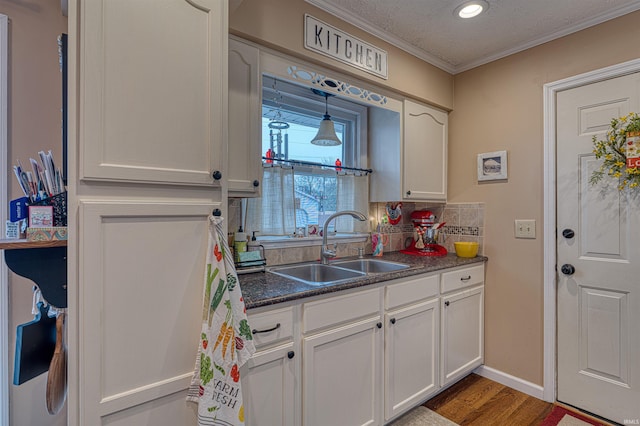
274,212
352,194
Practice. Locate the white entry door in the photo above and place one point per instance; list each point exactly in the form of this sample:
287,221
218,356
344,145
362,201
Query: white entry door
598,243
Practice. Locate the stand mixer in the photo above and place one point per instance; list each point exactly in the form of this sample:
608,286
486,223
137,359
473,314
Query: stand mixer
425,235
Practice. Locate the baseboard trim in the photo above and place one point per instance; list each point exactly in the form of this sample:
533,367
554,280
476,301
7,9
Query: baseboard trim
508,380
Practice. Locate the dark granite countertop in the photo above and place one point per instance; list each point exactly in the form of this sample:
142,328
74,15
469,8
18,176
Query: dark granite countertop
264,288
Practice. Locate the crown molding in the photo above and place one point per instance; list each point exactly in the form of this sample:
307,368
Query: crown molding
612,14
352,19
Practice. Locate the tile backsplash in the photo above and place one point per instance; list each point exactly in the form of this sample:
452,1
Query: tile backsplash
464,222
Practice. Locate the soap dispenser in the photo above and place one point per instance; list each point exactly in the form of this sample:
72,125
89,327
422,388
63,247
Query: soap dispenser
239,243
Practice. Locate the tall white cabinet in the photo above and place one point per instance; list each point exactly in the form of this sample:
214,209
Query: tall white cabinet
148,102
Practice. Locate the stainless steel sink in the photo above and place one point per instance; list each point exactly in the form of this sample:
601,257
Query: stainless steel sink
316,274
371,266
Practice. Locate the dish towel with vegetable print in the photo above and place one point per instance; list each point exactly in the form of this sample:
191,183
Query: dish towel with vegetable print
226,342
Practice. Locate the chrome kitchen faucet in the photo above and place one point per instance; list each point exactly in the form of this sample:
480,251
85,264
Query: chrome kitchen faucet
326,253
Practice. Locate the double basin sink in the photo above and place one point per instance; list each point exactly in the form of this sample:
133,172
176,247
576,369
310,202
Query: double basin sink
336,272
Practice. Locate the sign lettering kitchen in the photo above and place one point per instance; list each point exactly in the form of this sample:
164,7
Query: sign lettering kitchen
327,40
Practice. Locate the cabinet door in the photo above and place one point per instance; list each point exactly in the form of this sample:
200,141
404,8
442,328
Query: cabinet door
140,288
342,376
245,120
152,90
424,166
462,333
269,387
411,356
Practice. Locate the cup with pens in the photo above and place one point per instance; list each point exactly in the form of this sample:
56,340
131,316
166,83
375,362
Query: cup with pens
43,186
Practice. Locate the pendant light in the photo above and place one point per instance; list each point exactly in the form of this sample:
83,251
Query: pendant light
326,135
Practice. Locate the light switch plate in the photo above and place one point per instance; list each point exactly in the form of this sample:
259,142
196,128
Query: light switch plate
525,228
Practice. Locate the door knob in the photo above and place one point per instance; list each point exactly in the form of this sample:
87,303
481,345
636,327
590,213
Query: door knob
291,354
568,269
568,233
379,325
256,183
217,175
392,320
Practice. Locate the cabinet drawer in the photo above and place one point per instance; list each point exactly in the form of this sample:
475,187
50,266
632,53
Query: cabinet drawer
462,278
272,326
411,290
340,309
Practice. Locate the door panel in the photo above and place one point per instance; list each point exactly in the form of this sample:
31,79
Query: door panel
140,307
603,346
598,303
411,356
151,88
603,222
424,153
462,336
342,376
168,410
268,383
245,120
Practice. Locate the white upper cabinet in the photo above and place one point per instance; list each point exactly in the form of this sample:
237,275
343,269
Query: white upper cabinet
424,165
245,120
408,153
152,90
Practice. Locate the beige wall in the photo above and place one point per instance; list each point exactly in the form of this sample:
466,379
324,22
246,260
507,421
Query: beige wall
499,106
34,124
280,24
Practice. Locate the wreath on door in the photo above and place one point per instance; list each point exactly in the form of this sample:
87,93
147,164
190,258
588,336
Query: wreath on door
620,152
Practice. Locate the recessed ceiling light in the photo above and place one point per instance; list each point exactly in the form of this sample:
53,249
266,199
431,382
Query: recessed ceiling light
471,9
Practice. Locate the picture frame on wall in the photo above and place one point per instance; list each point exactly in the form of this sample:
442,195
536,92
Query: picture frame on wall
492,166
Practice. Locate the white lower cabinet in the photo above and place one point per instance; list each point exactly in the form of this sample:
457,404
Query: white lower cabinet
342,360
411,356
367,356
462,333
268,385
271,378
342,380
411,348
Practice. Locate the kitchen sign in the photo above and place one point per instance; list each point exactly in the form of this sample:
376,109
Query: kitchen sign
327,40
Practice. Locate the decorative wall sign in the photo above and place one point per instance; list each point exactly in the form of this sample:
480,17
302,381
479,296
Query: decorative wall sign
492,166
327,40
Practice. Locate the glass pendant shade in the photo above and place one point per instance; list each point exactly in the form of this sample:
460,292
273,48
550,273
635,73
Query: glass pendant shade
326,133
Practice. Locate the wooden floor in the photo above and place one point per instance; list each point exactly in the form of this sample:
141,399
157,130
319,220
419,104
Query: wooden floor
479,401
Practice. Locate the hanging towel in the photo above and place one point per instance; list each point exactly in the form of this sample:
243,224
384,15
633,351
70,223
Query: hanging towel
226,342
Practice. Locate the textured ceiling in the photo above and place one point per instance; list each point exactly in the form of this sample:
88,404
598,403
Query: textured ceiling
429,30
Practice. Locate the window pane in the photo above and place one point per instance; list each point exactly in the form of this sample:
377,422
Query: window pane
294,143
315,197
